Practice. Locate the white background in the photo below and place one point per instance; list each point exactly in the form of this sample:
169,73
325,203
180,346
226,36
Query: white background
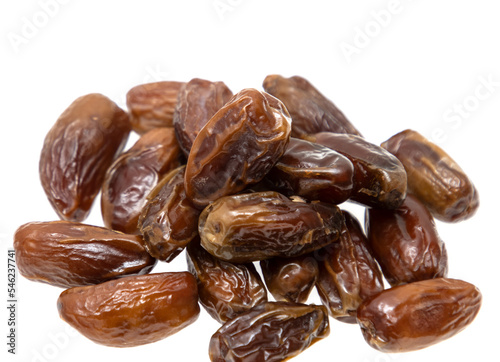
388,65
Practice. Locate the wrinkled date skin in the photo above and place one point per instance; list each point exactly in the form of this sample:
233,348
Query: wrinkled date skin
290,279
379,177
261,225
132,311
311,111
312,171
134,174
417,315
168,221
273,331
77,152
225,289
434,177
197,102
152,105
348,273
68,254
405,242
237,147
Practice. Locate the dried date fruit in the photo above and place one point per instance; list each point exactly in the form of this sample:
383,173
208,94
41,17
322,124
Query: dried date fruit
197,102
261,225
290,279
132,311
379,177
77,152
168,221
434,177
225,289
312,171
348,273
273,331
134,174
405,242
68,254
237,147
152,105
310,110
417,315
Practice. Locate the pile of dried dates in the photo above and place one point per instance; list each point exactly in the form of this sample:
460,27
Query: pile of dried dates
235,180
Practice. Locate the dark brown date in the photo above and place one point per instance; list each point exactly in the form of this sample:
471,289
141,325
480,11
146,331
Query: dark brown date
132,311
311,111
152,105
168,221
261,225
225,289
134,174
237,147
273,331
290,279
348,273
379,177
312,171
68,254
77,152
405,242
197,102
417,315
434,177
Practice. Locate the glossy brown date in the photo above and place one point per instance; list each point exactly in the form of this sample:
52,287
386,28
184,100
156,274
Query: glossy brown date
312,171
132,311
434,177
152,105
68,254
261,225
311,111
237,147
379,177
225,289
273,331
348,273
168,221
417,315
406,243
290,279
77,152
197,102
134,174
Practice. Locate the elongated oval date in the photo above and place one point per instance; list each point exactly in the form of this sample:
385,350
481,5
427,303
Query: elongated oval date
311,111
434,177
290,279
237,147
406,243
168,221
379,177
152,105
225,289
134,174
273,331
417,315
312,171
197,102
132,311
261,225
77,152
68,254
348,273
